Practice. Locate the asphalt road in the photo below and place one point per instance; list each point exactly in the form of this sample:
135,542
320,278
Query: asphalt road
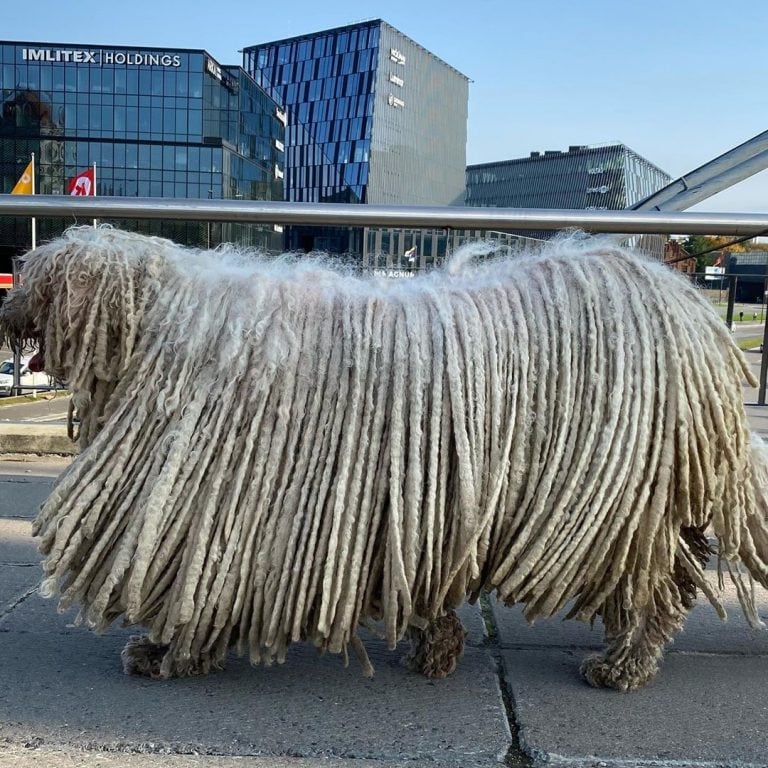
747,330
43,410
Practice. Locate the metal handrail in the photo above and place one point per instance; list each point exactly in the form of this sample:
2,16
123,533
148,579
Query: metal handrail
450,217
335,214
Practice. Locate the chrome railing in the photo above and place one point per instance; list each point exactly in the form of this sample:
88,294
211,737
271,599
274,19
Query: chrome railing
334,214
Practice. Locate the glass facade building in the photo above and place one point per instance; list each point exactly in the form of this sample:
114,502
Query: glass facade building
607,177
372,117
157,123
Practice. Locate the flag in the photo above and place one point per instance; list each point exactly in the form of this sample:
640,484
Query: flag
24,184
83,184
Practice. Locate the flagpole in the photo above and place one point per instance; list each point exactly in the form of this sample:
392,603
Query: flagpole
34,220
94,189
16,385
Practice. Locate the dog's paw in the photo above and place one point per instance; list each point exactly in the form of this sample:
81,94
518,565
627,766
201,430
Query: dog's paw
436,650
629,675
144,658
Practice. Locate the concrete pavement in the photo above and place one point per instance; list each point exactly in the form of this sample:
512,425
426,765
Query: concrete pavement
516,699
63,696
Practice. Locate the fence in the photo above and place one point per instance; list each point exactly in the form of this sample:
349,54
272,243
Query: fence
409,217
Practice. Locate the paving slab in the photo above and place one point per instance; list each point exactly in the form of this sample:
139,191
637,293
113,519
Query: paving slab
22,496
31,756
703,711
64,686
16,583
16,543
703,631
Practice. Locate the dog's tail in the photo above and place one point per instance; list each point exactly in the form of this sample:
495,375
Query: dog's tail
747,539
754,548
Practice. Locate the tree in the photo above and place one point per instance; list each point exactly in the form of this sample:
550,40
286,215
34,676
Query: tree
696,244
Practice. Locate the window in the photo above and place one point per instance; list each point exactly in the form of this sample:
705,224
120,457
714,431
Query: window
196,84
121,81
156,82
342,42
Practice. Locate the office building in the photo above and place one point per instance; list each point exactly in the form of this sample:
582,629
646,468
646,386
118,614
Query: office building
372,117
609,177
156,122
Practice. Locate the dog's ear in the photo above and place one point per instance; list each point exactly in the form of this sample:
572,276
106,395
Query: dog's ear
87,293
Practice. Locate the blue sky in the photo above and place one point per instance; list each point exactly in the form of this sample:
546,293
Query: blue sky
678,81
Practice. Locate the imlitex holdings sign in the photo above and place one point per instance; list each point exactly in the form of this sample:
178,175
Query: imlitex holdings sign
100,57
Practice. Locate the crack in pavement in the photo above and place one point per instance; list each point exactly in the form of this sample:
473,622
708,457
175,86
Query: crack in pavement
8,609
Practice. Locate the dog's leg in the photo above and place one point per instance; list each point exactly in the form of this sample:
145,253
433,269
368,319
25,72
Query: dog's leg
636,639
436,650
147,659
141,657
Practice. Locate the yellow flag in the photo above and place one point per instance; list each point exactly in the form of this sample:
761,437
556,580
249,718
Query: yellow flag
24,184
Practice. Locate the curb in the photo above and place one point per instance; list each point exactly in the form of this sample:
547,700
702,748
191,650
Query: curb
39,439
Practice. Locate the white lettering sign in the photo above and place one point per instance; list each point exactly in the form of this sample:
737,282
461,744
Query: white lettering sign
101,57
393,101
392,273
212,68
396,80
396,56
714,273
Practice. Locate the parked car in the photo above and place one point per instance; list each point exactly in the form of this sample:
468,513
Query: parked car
29,380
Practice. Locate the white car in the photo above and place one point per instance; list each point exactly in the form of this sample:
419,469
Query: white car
29,380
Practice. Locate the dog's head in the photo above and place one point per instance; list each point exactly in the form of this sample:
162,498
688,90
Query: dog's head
17,328
81,303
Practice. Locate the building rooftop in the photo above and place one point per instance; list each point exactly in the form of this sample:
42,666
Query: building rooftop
155,48
354,25
573,150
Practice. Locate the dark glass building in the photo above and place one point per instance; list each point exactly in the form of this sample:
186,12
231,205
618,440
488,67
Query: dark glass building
156,122
751,270
373,117
607,177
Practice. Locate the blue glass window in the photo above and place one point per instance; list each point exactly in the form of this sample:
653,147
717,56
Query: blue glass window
157,82
342,42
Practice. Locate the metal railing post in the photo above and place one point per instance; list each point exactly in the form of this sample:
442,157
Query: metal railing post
763,367
764,350
731,292
16,385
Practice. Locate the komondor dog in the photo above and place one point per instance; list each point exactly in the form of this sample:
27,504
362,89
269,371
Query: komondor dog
277,451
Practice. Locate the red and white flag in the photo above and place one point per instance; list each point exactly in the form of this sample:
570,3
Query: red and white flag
83,184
